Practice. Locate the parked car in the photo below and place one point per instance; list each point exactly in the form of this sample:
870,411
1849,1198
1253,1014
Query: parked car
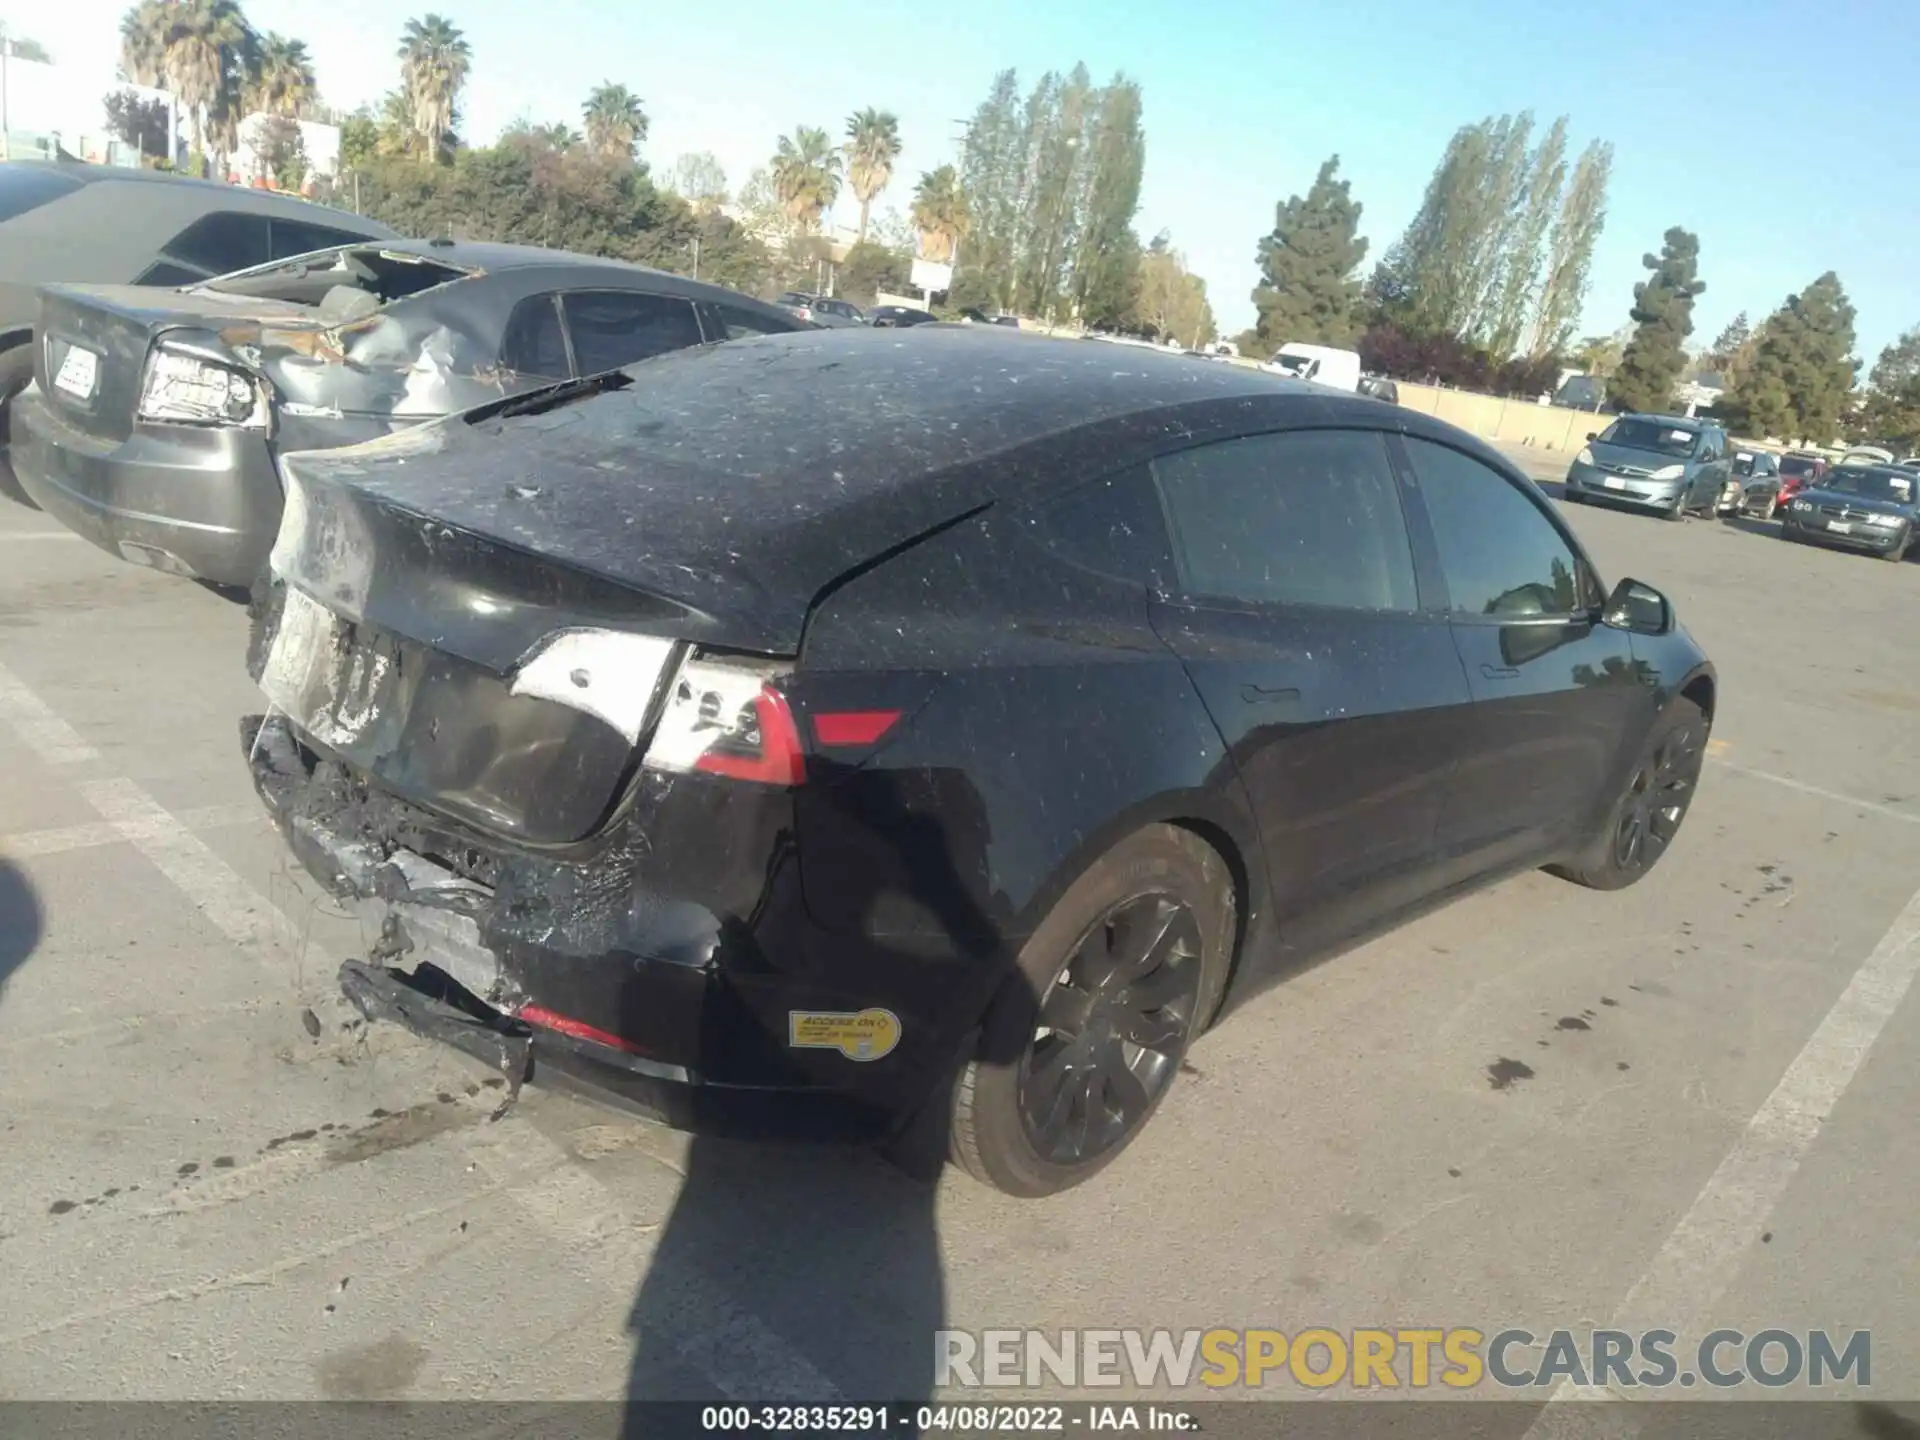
1380,388
971,316
1797,470
157,415
100,224
689,799
1668,464
1866,455
1339,369
1752,484
898,316
1858,507
820,310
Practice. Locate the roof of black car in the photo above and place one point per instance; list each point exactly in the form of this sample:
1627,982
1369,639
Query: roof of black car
238,196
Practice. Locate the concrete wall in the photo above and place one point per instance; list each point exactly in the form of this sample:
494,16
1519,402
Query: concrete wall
1517,422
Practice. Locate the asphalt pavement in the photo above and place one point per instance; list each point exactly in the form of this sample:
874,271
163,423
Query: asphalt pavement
1544,1107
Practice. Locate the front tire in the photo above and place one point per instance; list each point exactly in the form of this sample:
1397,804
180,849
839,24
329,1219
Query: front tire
1648,814
1085,1040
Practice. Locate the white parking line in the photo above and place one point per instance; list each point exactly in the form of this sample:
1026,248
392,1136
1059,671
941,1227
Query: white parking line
738,1353
1705,1250
38,535
40,730
23,844
1806,789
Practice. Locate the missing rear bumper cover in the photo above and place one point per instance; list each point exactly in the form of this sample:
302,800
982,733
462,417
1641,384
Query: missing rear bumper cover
382,994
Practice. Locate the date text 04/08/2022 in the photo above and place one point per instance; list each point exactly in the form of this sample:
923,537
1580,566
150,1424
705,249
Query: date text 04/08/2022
960,1419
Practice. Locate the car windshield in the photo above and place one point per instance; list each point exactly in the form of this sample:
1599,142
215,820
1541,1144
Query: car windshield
1294,364
1871,485
1798,466
1743,465
1658,436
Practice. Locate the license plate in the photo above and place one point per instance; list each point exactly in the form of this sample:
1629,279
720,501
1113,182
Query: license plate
1840,527
78,373
1614,482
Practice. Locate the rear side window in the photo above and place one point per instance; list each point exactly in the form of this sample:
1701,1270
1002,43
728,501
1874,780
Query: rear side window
168,274
27,187
1308,517
741,323
534,344
223,241
296,237
1113,527
611,328
1499,552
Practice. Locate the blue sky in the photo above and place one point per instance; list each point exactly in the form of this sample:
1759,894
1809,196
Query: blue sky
1748,121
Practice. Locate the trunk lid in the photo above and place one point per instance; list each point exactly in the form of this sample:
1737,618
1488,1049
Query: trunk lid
102,334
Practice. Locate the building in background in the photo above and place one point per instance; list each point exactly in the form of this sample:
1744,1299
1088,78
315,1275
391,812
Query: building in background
47,111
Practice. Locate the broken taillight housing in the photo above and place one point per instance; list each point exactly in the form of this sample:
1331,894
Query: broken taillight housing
726,717
183,389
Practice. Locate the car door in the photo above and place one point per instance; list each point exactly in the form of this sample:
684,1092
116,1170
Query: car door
1555,690
1296,610
1711,474
610,328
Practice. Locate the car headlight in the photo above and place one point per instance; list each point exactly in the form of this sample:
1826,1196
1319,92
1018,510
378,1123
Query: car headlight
183,389
1585,457
1668,472
1888,520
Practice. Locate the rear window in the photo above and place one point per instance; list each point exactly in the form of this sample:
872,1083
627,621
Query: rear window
27,187
330,279
298,237
225,240
1798,466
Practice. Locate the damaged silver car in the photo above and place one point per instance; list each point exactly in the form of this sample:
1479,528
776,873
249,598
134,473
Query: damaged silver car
156,417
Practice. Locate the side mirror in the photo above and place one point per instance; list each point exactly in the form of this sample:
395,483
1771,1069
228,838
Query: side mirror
1639,608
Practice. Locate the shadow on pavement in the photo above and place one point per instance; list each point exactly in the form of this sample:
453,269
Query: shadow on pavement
811,1273
21,921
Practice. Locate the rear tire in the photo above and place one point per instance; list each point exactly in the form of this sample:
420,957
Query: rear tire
1138,946
1648,813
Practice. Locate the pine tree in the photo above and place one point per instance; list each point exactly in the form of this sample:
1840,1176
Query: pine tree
1730,348
1801,380
1663,318
1307,290
1106,261
1890,414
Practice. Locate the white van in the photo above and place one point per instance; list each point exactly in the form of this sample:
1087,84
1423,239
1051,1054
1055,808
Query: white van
1319,363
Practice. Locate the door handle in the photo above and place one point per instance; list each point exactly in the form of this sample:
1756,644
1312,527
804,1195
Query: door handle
1260,695
1499,672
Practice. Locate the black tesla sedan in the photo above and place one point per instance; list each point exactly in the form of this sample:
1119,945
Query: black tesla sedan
882,729
157,416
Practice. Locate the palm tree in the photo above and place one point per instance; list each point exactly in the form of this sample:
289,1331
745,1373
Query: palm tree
200,50
940,214
616,123
806,176
282,78
434,57
873,144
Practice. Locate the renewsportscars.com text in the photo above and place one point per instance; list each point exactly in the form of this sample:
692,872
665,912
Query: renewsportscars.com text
1369,1359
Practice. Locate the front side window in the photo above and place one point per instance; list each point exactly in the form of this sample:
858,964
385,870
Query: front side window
1307,517
741,323
611,328
1500,554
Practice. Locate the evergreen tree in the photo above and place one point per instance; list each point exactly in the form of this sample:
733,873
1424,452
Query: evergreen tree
993,178
1307,289
1730,349
1524,254
1890,414
1801,381
1663,318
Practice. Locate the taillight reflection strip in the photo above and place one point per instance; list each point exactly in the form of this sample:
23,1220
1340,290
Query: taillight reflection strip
853,727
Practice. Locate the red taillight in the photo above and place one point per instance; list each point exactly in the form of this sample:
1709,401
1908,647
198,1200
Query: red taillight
579,1029
853,727
767,751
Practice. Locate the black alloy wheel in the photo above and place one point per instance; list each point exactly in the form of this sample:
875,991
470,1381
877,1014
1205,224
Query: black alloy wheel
1657,798
1111,1030
1645,819
1088,1034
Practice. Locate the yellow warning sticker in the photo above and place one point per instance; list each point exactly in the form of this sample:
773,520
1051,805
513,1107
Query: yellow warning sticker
858,1034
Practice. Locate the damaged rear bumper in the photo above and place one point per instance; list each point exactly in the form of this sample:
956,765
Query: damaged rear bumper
657,1028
